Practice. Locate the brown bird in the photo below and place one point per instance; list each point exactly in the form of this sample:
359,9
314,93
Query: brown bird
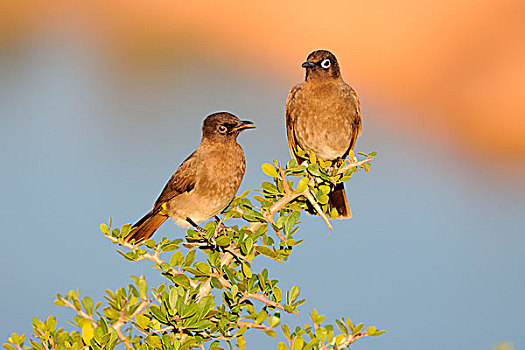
322,115
205,183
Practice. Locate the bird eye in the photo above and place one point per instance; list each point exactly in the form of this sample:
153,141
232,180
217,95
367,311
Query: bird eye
222,129
325,64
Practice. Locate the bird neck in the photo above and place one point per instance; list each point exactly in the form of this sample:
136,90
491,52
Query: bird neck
315,78
217,142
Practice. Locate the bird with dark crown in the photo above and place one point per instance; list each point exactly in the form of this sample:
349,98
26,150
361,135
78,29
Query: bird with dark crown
323,116
205,183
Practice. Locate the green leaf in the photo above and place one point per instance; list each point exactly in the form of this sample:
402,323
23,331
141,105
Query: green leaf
142,321
181,280
358,328
87,331
246,270
269,170
51,323
223,241
278,294
200,325
189,258
290,221
286,331
176,259
265,251
270,188
323,199
271,333
314,169
261,316
302,184
350,323
298,343
205,305
282,346
252,215
294,293
216,283
88,305
104,228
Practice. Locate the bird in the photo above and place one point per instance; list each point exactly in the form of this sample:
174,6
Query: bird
205,183
323,116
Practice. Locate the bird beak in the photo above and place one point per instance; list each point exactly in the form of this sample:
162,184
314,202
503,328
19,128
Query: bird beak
244,124
308,64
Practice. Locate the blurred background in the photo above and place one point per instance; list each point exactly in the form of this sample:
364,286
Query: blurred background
101,101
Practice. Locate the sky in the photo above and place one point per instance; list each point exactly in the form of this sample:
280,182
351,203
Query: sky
434,254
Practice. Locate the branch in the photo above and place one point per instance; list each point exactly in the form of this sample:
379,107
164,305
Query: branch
42,334
262,298
122,320
80,312
353,165
317,208
275,207
205,289
117,327
153,257
253,325
349,340
284,180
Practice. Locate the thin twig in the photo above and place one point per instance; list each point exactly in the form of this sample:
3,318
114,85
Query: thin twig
163,330
275,207
263,299
139,330
43,342
117,327
205,289
353,165
349,340
253,325
153,257
236,253
317,208
80,312
284,180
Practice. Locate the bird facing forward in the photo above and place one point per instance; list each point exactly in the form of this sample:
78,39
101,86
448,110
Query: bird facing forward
322,115
205,183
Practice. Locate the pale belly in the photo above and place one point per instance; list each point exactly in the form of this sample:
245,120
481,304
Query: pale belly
327,138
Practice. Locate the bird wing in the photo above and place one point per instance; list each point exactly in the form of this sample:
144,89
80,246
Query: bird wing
357,124
290,120
183,180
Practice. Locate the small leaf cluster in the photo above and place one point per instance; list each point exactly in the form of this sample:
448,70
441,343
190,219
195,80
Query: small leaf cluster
212,295
317,336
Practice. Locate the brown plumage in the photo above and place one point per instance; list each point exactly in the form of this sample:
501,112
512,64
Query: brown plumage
205,183
322,115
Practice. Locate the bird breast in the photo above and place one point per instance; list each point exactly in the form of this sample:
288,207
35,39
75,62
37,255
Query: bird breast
218,179
324,116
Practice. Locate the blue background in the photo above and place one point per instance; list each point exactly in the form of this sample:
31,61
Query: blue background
434,252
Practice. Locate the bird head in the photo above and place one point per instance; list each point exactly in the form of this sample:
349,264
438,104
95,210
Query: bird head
224,126
321,64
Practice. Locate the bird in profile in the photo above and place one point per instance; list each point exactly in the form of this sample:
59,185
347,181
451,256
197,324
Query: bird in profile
323,116
205,183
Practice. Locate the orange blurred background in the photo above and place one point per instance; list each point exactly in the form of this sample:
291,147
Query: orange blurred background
462,62
101,100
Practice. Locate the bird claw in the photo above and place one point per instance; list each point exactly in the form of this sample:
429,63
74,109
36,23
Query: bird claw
197,227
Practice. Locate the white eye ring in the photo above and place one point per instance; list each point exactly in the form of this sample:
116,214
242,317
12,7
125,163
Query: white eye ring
325,64
222,129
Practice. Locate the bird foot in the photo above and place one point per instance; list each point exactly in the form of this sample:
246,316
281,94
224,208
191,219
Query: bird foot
197,227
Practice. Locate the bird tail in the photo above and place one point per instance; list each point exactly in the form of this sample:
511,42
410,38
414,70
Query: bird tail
338,201
146,227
